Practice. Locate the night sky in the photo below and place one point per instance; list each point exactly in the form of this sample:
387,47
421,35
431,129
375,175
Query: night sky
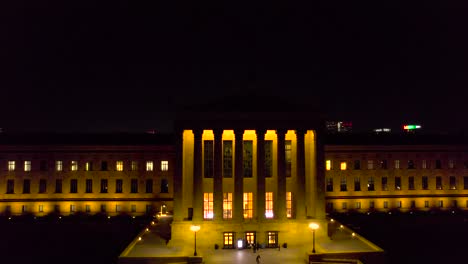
125,66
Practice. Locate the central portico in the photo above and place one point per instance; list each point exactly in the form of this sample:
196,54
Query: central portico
249,175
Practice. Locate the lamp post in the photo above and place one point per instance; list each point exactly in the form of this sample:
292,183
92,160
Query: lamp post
313,226
195,229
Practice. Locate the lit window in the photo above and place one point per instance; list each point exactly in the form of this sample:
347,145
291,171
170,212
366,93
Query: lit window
27,165
58,165
208,205
269,205
74,165
119,165
288,204
343,165
399,204
88,166
248,205
441,203
118,208
41,208
164,165
397,164
424,164
385,204
227,205
272,239
250,237
149,166
72,208
370,164
228,241
11,165
134,166
453,183
328,165
358,205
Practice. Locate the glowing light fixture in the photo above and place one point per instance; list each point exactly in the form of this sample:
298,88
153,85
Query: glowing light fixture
195,229
313,226
240,243
411,127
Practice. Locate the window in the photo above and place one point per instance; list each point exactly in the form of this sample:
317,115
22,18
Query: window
24,209
288,204
228,240
207,205
272,239
399,204
425,183
72,208
451,164
89,185
134,165
208,159
410,183
465,183
149,186
26,186
424,164
104,186
268,158
343,165
411,164
370,184
343,187
438,164
383,164
227,158
344,205
329,206
328,165
384,184
453,183
118,208
371,205
358,205
397,164
330,184
269,204
454,204
104,165
248,205
247,158
288,157
42,186
88,166
357,164
103,208
118,186
438,183
119,165
164,165
41,208
357,184
397,183
441,203
164,186
149,165
133,208
74,165
73,186
134,186
11,165
370,164
250,237
385,204
57,208
58,186
27,165
43,165
413,204
227,205
59,165
426,204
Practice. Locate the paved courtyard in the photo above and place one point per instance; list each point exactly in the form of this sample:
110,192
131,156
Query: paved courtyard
153,244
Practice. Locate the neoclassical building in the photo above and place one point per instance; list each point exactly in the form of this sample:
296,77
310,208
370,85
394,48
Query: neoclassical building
248,176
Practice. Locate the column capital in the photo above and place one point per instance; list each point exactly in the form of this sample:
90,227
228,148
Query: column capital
281,131
238,132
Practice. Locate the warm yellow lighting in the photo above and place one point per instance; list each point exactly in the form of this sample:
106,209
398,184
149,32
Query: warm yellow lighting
331,220
147,229
139,238
152,222
313,226
108,217
353,234
133,217
194,228
328,165
341,226
343,165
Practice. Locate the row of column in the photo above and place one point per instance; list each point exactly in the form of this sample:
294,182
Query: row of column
280,201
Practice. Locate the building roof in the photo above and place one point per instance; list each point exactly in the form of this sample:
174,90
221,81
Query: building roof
395,139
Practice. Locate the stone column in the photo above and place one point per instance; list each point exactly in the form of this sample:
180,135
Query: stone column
218,175
260,212
281,195
301,183
197,176
238,176
178,188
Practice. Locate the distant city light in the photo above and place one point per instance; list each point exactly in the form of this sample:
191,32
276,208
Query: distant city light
378,130
411,127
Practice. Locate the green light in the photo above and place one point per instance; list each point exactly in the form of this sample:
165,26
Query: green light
411,127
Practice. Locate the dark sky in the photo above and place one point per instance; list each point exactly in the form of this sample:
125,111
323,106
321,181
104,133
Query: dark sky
125,65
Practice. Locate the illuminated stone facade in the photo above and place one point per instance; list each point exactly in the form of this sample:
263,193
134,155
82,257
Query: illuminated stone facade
78,174
402,173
